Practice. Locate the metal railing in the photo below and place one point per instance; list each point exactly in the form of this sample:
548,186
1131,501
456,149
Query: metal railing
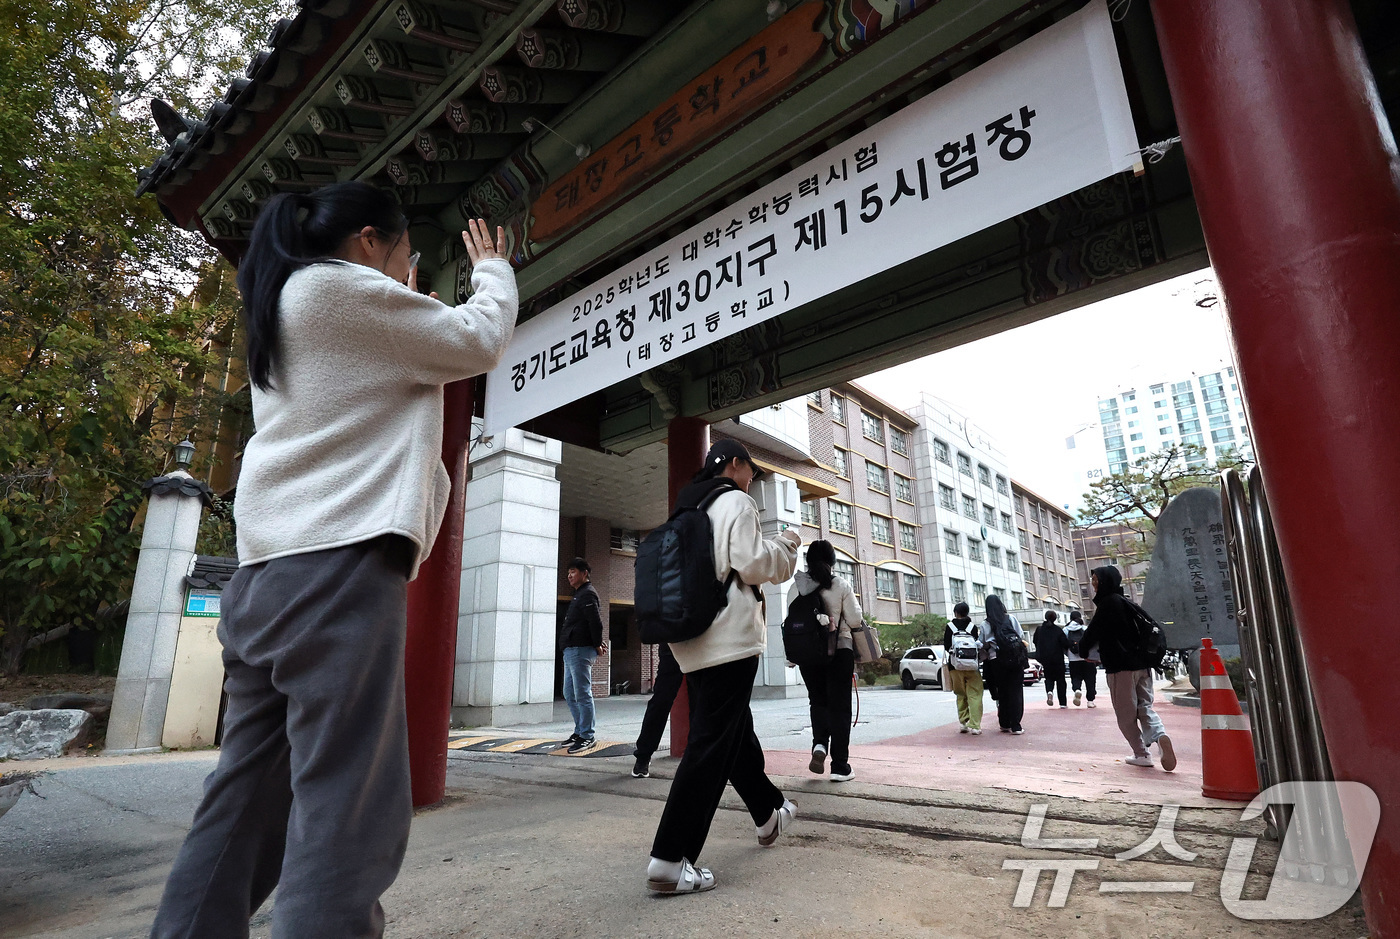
1288,740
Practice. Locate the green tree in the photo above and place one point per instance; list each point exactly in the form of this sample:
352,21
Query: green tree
918,630
1136,497
104,305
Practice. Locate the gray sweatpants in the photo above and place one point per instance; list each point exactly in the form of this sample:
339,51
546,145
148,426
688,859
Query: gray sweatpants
311,794
1131,693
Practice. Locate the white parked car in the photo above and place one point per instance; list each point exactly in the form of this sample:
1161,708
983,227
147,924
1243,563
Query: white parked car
922,665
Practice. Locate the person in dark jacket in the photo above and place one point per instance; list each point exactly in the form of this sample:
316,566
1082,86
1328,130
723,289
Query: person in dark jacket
1128,670
582,639
1051,644
663,695
1007,666
1083,672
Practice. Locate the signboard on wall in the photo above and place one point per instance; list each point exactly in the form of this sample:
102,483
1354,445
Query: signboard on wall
202,602
1047,117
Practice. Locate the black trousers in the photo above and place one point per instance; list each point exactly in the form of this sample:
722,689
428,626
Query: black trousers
663,695
1086,673
1011,696
722,747
829,702
311,794
1055,679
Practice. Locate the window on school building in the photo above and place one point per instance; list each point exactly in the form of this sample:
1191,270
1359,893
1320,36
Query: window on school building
984,476
877,477
965,465
908,537
815,397
1002,487
880,529
952,542
1065,584
914,588
970,507
847,569
1028,573
1024,538
838,409
941,452
957,589
1015,599
1011,558
872,426
994,556
1039,544
624,540
974,550
989,516
840,460
904,488
811,513
947,497
1006,523
886,586
838,516
979,593
899,441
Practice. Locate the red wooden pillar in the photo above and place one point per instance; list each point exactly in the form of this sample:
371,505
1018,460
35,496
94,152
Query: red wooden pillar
687,442
431,651
1298,185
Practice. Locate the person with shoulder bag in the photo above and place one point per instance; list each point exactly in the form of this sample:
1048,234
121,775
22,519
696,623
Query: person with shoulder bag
828,676
341,494
720,664
966,647
1051,644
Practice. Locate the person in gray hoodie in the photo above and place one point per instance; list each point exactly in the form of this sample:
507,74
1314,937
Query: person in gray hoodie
829,682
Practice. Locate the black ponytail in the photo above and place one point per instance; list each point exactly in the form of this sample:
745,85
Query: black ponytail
821,561
292,231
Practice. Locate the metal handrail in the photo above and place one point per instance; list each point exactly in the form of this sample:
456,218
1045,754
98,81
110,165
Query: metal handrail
1288,739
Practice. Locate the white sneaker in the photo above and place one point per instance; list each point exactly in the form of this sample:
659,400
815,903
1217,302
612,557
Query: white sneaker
976,732
1168,753
964,729
1139,761
1092,704
1077,696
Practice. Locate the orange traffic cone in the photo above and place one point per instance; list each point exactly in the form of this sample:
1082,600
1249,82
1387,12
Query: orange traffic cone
1227,746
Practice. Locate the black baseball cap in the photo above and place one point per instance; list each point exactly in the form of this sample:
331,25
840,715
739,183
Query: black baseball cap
728,449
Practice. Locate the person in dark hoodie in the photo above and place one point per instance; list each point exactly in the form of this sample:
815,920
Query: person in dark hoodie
1126,667
829,682
1051,644
966,682
1008,664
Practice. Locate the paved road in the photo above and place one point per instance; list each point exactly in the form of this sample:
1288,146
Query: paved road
540,847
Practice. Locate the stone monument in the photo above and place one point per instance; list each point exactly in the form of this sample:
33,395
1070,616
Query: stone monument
1188,587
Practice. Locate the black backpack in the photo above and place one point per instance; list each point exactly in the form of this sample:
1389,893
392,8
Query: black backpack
1151,641
677,595
804,637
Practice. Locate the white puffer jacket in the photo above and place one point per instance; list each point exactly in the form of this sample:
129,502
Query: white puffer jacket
840,603
738,631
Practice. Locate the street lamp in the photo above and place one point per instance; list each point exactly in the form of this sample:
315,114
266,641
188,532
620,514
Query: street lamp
184,454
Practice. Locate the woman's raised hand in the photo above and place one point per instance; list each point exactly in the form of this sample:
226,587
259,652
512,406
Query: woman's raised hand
477,238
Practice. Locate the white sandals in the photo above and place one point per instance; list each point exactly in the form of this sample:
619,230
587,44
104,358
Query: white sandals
691,879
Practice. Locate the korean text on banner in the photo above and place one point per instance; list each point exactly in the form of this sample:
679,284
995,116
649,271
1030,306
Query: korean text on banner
1045,118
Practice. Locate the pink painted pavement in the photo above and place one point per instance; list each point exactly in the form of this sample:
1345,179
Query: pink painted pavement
1074,753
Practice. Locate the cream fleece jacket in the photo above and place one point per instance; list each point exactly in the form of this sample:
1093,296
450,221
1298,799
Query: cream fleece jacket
738,631
840,603
349,441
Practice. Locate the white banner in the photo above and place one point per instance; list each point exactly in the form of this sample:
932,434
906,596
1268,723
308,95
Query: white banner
1048,117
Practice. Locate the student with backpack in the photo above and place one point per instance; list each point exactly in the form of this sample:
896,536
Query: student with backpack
1008,664
1083,672
697,579
966,646
1051,644
1129,645
827,668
